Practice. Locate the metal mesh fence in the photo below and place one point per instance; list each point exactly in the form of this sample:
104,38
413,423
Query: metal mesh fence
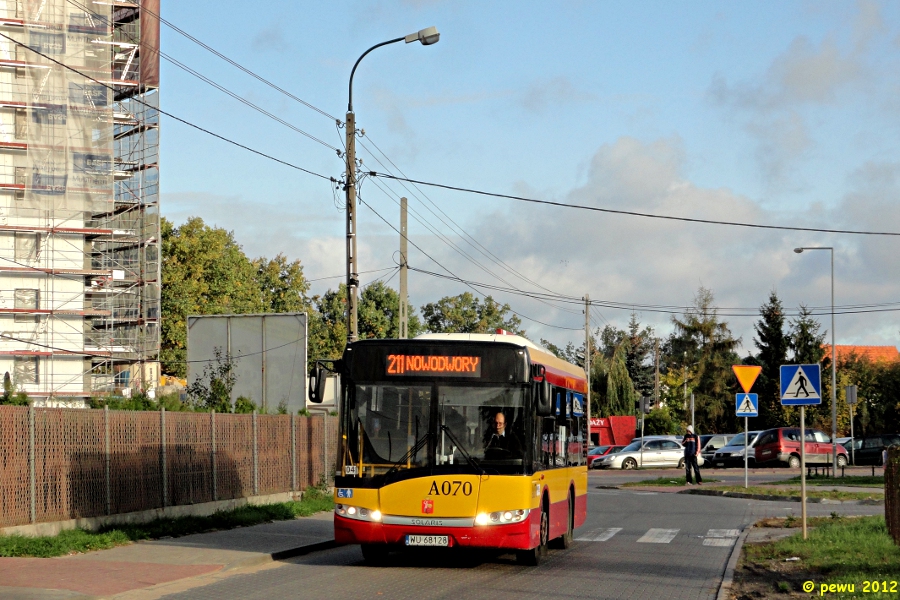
892,493
58,464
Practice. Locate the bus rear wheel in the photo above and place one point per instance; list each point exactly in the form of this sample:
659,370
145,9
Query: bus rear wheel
531,558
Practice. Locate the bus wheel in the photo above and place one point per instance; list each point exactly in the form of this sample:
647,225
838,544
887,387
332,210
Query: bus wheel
374,554
565,540
531,558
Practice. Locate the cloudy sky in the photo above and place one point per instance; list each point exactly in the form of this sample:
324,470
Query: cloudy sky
775,113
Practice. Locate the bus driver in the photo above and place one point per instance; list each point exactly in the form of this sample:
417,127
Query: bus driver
500,442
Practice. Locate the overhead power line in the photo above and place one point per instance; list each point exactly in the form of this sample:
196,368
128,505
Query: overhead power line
676,310
237,65
171,116
452,275
631,213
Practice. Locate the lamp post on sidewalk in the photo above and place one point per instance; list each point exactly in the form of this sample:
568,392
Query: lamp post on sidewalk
427,37
833,362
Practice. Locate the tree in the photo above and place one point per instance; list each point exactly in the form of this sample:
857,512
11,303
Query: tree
612,390
708,342
328,328
467,314
379,313
212,390
640,347
282,285
805,339
773,344
204,272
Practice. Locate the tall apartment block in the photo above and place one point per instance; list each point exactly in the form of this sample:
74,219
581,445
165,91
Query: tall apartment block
79,197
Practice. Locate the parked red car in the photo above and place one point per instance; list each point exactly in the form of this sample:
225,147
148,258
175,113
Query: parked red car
782,445
600,451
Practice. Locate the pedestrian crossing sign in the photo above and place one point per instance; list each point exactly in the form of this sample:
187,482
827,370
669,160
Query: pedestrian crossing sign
747,405
801,385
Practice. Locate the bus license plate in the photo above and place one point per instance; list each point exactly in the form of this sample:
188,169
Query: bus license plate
427,540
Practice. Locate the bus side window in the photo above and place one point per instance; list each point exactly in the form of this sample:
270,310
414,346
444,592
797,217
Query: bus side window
548,441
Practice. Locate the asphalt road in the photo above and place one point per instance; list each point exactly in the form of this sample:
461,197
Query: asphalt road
634,545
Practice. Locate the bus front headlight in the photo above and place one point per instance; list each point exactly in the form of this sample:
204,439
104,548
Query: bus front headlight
502,517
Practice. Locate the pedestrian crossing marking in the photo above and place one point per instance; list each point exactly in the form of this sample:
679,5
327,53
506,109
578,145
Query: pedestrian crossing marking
725,542
721,537
599,535
723,533
658,536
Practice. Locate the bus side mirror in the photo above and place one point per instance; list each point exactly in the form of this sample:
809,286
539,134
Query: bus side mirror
542,396
317,385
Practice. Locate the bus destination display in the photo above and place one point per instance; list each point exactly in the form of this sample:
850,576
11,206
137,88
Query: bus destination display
447,366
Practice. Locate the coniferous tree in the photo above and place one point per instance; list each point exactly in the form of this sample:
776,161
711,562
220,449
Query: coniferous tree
710,342
773,344
639,356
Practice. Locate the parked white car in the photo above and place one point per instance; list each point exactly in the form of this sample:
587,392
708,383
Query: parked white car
654,454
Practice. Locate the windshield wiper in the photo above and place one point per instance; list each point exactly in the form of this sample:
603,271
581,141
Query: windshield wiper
472,462
420,443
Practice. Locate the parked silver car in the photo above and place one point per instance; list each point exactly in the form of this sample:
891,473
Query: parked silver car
732,455
711,442
655,453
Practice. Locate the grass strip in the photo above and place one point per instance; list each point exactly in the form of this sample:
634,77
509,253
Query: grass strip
849,480
664,481
794,492
840,551
78,540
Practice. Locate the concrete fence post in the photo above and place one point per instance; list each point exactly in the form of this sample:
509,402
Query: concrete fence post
31,465
892,493
255,459
212,437
294,453
162,445
325,477
106,458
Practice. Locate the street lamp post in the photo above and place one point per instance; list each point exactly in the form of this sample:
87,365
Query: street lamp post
427,37
833,362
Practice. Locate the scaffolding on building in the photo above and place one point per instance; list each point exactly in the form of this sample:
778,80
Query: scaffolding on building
79,196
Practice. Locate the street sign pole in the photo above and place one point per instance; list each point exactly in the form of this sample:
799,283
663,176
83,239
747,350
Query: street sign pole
746,449
803,467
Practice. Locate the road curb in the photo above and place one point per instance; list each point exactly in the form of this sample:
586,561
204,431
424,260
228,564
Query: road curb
776,498
731,565
255,561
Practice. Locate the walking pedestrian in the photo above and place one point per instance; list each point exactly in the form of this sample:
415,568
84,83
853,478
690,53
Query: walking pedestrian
691,445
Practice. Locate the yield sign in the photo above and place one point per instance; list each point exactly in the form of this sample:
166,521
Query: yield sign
746,375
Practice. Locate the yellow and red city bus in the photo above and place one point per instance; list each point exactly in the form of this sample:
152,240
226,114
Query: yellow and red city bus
423,461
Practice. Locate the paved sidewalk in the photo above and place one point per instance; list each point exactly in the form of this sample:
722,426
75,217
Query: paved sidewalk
107,573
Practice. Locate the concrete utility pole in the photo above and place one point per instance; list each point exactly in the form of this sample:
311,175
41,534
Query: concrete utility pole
587,360
656,377
404,300
427,37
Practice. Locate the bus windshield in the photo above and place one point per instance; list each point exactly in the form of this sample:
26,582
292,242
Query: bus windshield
409,426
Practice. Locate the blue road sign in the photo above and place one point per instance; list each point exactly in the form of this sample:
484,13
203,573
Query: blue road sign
747,405
801,385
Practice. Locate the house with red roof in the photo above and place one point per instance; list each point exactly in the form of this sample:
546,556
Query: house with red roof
875,354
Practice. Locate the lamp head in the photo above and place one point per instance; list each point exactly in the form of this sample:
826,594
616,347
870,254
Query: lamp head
427,36
798,250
